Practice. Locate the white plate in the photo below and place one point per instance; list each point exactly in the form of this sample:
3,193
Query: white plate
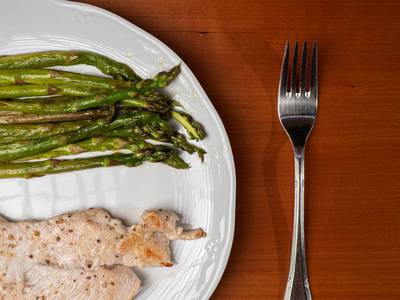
204,195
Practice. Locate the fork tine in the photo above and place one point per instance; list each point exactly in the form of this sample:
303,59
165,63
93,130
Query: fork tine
294,70
303,68
284,72
313,77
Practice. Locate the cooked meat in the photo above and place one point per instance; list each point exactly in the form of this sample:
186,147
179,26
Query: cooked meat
75,246
50,282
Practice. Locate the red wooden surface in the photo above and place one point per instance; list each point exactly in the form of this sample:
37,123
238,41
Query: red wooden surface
235,49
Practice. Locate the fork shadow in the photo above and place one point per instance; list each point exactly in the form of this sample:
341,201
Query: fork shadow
281,227
276,141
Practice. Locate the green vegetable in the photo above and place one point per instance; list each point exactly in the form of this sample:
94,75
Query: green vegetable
93,144
47,113
57,77
20,149
9,133
68,58
194,129
160,80
32,90
89,114
40,168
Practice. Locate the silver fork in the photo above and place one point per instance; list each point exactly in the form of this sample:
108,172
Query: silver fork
297,112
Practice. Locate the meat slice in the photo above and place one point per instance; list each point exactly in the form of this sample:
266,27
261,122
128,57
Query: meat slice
90,242
92,238
50,282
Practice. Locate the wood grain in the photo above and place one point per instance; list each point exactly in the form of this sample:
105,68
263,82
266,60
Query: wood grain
235,49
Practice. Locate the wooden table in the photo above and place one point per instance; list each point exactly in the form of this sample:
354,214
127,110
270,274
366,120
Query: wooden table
235,49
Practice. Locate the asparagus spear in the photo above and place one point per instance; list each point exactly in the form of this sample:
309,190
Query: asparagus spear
93,144
149,102
124,132
179,141
31,90
55,77
43,107
47,99
9,133
23,118
160,80
20,149
89,114
139,132
149,96
137,102
40,168
68,58
194,129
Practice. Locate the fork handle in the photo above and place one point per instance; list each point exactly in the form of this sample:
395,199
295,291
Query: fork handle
297,286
